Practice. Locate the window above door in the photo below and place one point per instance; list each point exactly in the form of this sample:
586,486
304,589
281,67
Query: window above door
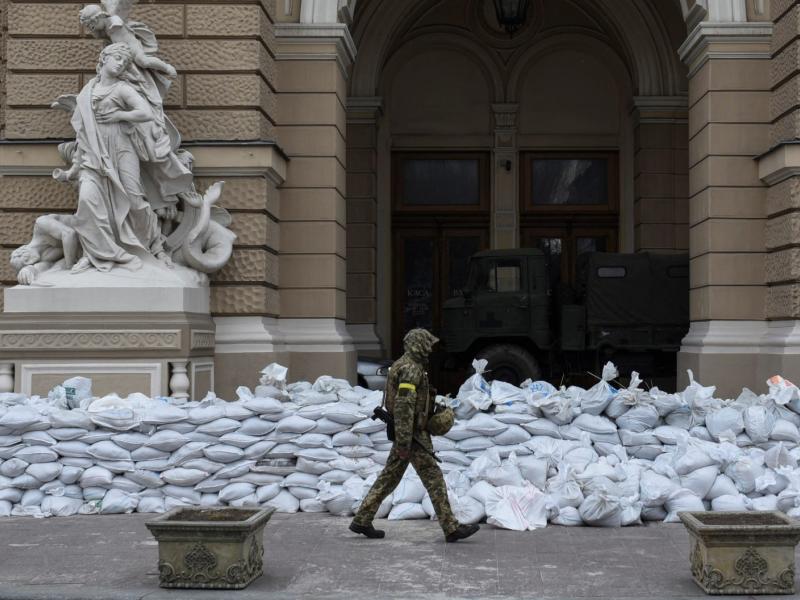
440,181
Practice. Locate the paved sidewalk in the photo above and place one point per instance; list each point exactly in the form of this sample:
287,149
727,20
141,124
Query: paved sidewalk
314,556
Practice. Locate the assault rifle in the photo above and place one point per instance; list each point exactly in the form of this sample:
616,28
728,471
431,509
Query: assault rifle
381,414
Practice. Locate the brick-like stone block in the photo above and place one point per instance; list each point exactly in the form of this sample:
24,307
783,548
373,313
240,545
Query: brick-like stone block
786,62
361,159
244,300
200,55
360,260
16,227
222,124
37,193
361,310
653,135
783,230
7,272
230,90
783,196
50,18
783,266
785,97
361,210
164,20
37,124
43,54
41,90
228,20
783,301
249,265
785,129
244,193
361,235
251,229
786,28
779,7
361,285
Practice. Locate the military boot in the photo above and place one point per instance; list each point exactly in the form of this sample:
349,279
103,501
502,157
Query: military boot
461,533
367,530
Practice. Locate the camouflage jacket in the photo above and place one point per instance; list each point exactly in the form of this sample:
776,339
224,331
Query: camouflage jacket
408,400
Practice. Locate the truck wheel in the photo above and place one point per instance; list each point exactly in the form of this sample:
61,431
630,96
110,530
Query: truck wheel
510,363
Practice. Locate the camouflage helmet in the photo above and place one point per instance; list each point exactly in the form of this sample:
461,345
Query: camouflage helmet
419,342
441,421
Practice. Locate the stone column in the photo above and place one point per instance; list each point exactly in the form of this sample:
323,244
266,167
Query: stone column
505,178
780,169
313,63
362,214
729,85
661,179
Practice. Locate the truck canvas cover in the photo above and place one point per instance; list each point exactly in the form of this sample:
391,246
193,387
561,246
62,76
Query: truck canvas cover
636,289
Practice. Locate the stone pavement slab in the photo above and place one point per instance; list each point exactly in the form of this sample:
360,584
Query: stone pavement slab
315,556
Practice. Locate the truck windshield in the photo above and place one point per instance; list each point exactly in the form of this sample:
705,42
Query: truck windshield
498,275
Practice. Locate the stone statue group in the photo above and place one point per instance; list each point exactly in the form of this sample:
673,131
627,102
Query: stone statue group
137,201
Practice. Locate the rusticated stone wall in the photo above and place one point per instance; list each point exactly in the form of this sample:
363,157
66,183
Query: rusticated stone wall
782,232
226,91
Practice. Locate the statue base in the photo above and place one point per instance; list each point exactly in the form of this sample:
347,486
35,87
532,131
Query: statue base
147,331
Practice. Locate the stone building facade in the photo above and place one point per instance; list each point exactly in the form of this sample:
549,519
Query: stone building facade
319,114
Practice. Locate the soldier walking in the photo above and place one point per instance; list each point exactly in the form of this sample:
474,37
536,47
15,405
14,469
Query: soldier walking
408,400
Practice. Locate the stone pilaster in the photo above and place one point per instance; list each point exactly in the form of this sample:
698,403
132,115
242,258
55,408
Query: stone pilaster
729,92
661,179
362,213
505,178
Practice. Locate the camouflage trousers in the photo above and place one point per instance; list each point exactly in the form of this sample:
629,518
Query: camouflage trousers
390,477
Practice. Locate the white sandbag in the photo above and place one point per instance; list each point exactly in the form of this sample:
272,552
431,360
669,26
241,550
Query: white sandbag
234,410
784,430
108,450
96,477
13,467
130,440
166,440
700,481
256,427
284,502
771,482
145,453
69,475
567,516
44,472
185,494
476,443
191,451
594,423
368,426
234,491
328,427
70,418
181,427
160,414
485,424
513,435
723,486
36,454
116,466
61,506
764,503
513,418
320,440
522,508
580,458
643,417
681,500
295,424
737,502
19,418
407,510
318,454
666,403
534,470
601,510
744,471
336,476
298,479
758,423
690,455
507,474
345,413
258,450
219,427
595,400
10,495
265,493
66,434
263,405
542,427
410,490
725,419
563,489
505,393
157,464
653,513
37,438
117,502
184,477
302,493
355,451
32,498
348,438
223,453
632,438
206,414
72,448
312,505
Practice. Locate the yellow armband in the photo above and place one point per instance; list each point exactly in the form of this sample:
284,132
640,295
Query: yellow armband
407,386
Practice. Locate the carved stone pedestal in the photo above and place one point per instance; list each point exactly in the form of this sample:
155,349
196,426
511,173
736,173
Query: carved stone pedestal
155,340
742,553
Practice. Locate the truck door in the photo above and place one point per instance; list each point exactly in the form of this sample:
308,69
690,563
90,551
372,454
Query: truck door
502,301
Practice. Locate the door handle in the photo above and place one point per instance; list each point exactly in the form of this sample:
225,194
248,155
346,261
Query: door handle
523,302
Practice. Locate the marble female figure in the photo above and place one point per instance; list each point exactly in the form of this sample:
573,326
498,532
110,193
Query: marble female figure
116,130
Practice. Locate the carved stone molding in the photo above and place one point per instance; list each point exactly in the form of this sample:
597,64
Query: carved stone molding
65,339
202,339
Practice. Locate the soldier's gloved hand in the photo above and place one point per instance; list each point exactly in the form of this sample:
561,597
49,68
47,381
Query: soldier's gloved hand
404,453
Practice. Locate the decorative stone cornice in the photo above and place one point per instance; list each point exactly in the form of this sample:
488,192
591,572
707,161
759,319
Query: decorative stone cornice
660,109
779,163
62,339
302,41
505,115
202,339
364,109
752,38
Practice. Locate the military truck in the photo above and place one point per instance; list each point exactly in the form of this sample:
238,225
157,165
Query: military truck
629,308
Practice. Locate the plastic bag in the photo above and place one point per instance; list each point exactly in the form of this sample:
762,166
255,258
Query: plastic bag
519,508
595,400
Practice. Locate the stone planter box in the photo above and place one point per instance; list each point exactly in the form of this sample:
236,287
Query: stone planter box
742,553
211,548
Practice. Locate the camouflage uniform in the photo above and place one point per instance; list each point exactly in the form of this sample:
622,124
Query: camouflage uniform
407,398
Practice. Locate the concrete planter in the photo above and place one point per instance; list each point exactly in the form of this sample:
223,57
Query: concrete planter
742,553
211,548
